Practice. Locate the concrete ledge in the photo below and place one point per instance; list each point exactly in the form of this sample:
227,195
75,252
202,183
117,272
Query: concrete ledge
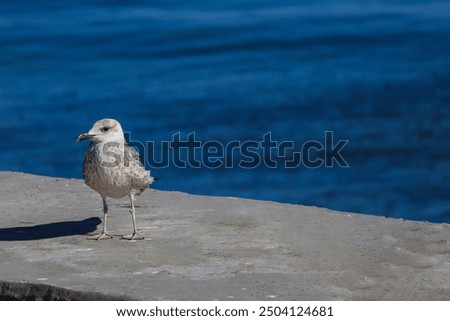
209,248
17,291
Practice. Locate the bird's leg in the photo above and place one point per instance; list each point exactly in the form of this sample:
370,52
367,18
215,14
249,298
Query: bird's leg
103,234
135,235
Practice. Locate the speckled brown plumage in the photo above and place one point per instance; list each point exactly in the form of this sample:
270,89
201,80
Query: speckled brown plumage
113,169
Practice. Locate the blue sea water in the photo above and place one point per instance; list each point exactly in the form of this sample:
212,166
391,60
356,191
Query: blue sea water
375,73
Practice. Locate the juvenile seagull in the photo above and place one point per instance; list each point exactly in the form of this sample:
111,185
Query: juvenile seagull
113,169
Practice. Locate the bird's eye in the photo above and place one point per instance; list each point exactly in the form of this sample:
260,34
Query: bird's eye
105,129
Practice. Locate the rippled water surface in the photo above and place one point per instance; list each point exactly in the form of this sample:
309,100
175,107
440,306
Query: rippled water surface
375,73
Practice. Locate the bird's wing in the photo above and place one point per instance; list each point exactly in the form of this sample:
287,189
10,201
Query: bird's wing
141,177
131,157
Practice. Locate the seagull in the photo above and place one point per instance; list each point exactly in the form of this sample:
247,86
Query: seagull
113,169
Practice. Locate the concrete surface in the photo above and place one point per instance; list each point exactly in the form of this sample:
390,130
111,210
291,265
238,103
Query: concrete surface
211,248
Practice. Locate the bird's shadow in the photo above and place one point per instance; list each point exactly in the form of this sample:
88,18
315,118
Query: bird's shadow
50,230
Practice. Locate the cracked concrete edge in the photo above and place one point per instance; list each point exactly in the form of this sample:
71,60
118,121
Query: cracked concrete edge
24,291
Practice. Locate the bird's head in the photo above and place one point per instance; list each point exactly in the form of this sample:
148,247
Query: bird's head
105,130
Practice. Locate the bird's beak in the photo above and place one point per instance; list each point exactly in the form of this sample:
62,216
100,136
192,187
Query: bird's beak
84,136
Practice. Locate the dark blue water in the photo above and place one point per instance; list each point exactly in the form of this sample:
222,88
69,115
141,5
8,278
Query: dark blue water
376,73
